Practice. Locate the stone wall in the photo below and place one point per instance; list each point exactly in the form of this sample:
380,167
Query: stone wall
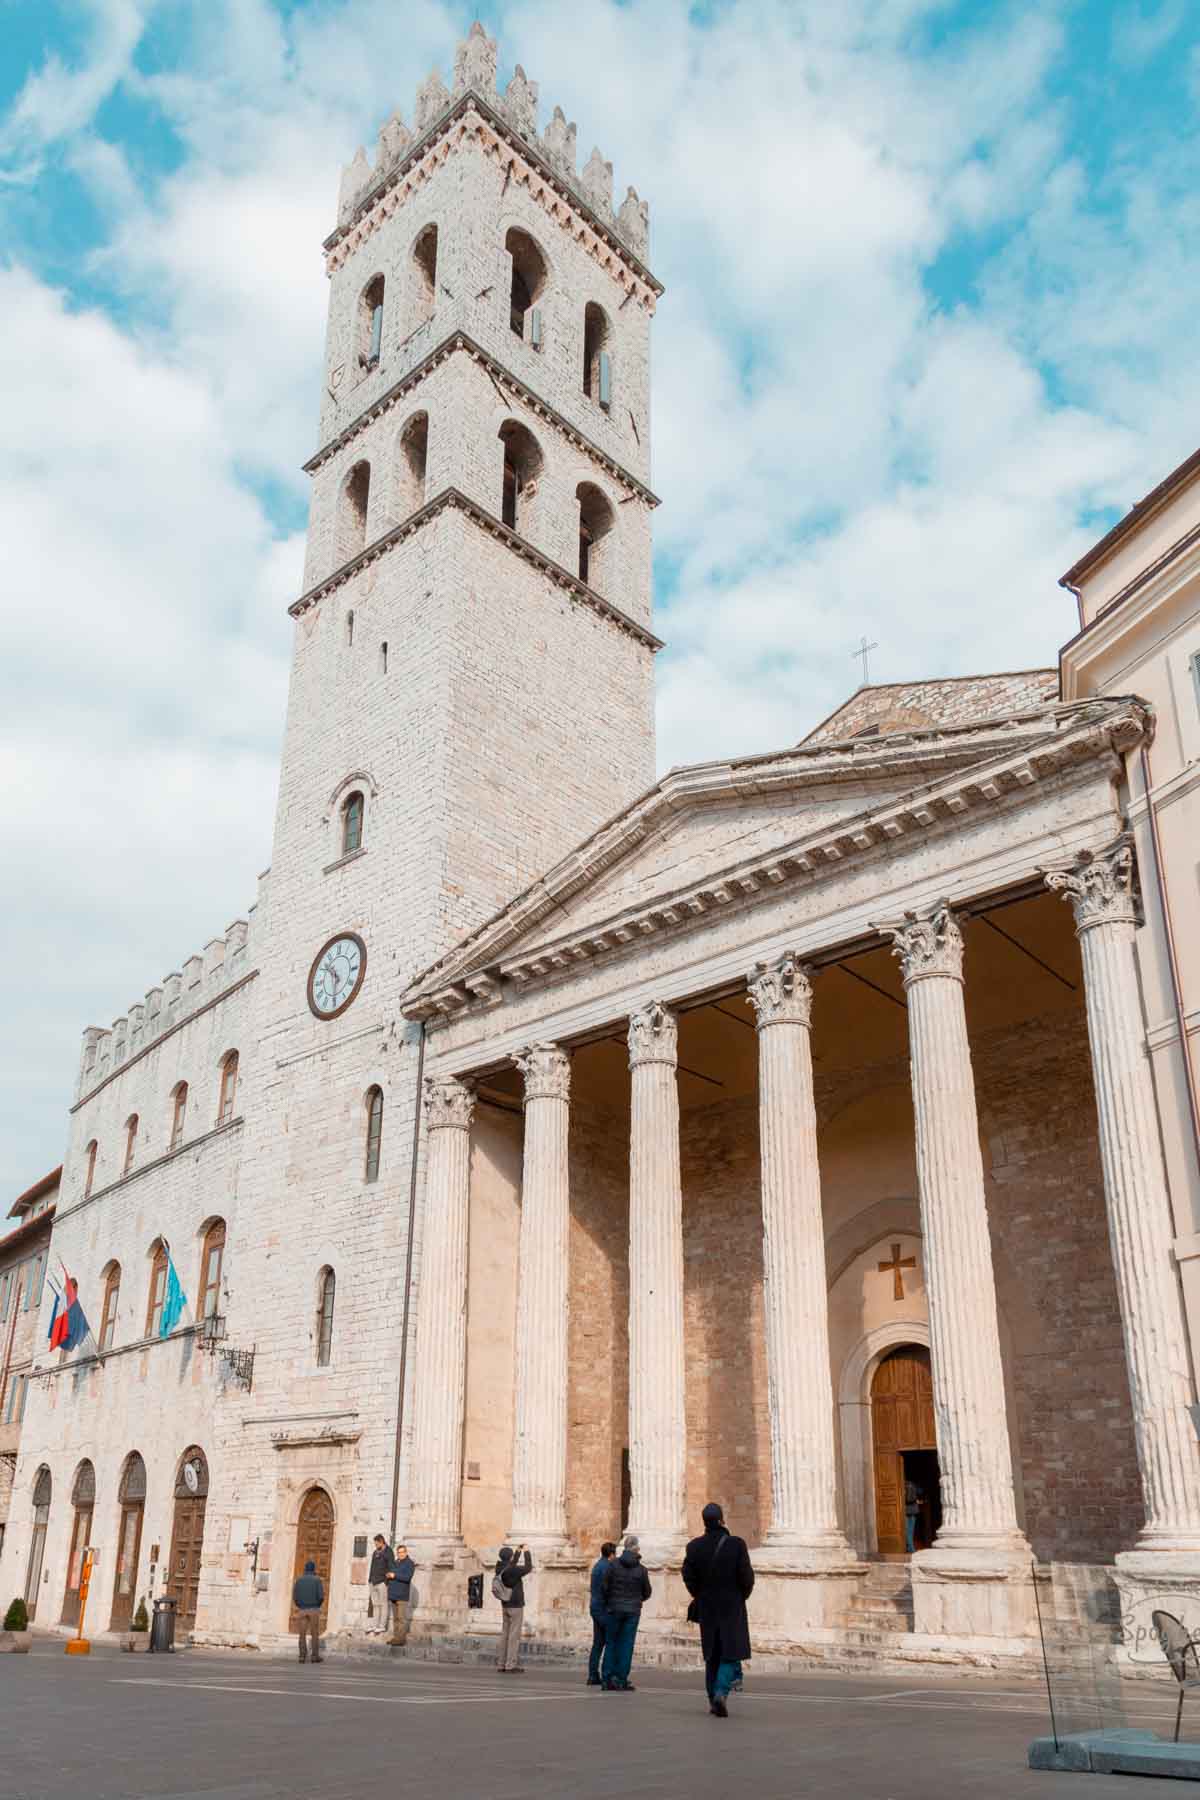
918,705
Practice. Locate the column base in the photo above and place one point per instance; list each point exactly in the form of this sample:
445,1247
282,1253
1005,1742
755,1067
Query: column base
662,1549
435,1549
548,1545
975,1587
827,1554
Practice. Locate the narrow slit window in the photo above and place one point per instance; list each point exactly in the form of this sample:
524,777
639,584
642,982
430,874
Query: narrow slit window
179,1115
374,1133
327,1292
90,1174
383,658
229,1080
131,1130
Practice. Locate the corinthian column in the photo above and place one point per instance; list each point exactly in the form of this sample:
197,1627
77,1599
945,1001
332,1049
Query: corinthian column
539,1516
804,1522
975,1459
435,1483
1102,891
657,1430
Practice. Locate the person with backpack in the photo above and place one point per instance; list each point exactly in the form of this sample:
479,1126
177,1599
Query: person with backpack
718,1576
625,1587
508,1587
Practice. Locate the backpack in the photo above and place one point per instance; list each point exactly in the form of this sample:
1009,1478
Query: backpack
499,1591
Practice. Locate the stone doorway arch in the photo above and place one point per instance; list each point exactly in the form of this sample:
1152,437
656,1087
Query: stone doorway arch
314,1543
854,1412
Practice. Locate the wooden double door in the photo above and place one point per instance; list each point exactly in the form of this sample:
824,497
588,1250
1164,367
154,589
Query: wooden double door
905,1448
314,1543
187,1538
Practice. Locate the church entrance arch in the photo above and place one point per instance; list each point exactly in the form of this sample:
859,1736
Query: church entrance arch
314,1543
187,1536
42,1490
132,1497
83,1499
904,1447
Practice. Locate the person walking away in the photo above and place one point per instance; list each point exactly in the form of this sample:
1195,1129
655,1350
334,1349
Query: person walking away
625,1586
399,1593
718,1576
912,1506
308,1597
508,1585
599,1612
382,1563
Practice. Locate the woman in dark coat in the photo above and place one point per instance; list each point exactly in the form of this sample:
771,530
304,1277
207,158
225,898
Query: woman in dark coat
718,1576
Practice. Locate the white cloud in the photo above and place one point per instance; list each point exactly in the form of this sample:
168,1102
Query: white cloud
57,100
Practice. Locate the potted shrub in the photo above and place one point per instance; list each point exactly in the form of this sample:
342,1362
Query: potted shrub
138,1635
16,1635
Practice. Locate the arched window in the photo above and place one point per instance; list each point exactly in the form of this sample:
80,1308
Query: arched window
597,365
158,1288
352,823
42,1492
179,1099
374,1132
425,252
370,324
596,520
131,1495
112,1295
212,1256
90,1173
352,521
522,466
83,1499
326,1293
228,1095
528,283
131,1128
411,456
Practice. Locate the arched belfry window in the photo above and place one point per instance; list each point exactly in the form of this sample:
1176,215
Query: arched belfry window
527,286
326,1294
370,324
352,519
597,363
352,823
228,1093
425,256
596,519
411,458
522,466
90,1170
374,1133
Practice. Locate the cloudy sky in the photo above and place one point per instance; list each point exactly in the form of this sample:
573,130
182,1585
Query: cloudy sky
932,273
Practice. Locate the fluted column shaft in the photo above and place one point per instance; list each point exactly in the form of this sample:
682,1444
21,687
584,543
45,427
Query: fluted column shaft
439,1386
540,1442
974,1454
799,1382
657,1430
1102,890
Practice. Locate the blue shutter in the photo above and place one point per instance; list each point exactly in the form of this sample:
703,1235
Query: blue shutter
605,380
376,334
535,327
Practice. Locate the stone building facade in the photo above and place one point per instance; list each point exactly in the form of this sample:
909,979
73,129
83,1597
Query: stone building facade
552,1149
24,1261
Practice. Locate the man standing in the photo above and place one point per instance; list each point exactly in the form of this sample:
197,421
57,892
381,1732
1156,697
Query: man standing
382,1563
718,1576
625,1585
308,1597
508,1584
599,1612
399,1593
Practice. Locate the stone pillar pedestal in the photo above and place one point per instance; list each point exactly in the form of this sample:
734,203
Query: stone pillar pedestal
439,1381
1166,1555
539,1516
975,1581
657,1430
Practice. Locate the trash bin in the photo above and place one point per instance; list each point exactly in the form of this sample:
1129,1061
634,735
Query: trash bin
162,1626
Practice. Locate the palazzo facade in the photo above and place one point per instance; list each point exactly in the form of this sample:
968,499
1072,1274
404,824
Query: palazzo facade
551,1150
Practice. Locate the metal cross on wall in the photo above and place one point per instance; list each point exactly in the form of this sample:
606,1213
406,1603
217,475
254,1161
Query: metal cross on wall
897,1265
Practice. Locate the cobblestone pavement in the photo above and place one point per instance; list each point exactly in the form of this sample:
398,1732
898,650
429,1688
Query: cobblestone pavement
206,1726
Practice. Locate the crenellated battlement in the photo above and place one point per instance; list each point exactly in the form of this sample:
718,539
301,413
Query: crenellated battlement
222,963
475,73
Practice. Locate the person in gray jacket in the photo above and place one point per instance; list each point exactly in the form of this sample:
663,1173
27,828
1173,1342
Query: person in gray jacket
308,1597
624,1587
508,1584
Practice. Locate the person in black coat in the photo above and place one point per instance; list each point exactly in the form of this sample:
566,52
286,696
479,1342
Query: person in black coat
718,1576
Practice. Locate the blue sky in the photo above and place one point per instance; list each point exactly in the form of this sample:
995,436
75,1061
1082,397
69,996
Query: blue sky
931,278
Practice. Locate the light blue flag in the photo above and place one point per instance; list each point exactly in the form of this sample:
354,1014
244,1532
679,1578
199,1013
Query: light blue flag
174,1301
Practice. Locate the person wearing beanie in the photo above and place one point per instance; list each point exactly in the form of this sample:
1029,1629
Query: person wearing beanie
718,1576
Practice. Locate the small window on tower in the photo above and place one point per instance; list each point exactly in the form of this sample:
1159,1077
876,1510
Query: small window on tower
370,324
595,352
425,271
352,533
383,658
522,466
352,824
595,522
527,286
411,459
374,1133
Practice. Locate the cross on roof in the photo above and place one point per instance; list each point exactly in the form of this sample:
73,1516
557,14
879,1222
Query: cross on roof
864,650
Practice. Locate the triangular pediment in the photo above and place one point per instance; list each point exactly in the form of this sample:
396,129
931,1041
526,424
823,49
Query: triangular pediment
717,833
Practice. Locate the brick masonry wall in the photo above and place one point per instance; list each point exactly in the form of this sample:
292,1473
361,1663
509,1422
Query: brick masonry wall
917,705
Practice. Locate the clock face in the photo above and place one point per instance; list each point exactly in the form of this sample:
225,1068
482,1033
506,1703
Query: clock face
336,975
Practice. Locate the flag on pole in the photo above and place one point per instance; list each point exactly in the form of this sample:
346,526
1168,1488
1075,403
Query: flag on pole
174,1300
68,1322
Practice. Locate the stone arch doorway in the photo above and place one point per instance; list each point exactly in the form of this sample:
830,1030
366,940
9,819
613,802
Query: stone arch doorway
904,1451
132,1497
187,1536
314,1543
83,1499
42,1491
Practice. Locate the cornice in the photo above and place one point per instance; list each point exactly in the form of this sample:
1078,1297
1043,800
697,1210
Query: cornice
454,499
129,1062
1137,600
148,1168
479,972
462,340
554,194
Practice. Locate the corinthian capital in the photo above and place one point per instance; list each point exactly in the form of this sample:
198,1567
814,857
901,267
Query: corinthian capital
653,1035
547,1071
781,993
931,945
448,1104
1101,885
